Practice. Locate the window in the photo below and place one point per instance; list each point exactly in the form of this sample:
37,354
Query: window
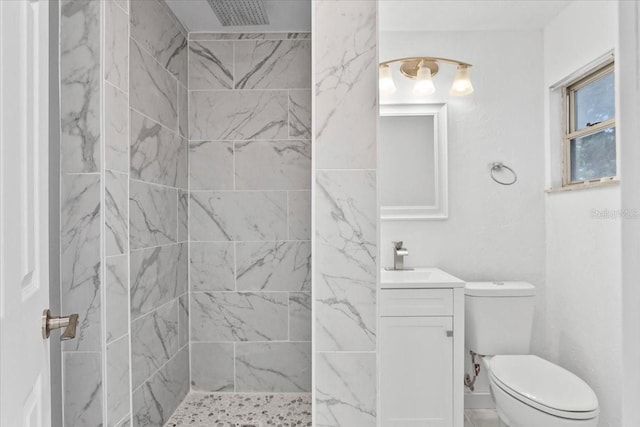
590,128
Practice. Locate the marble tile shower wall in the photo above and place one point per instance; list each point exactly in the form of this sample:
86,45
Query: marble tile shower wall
123,211
346,217
250,211
158,229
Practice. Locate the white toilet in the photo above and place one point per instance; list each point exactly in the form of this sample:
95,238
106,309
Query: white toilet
528,390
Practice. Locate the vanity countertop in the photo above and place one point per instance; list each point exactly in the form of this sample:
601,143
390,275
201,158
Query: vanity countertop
420,277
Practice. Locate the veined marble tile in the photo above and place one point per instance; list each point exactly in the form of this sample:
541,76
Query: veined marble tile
80,82
273,64
124,4
211,165
118,380
248,36
82,388
346,86
117,213
212,266
158,275
225,36
346,259
157,154
247,215
300,316
183,215
183,320
153,215
212,367
160,34
345,389
233,316
116,113
210,65
280,367
153,90
345,314
273,165
300,114
288,36
116,55
154,340
157,398
117,304
273,266
299,208
238,115
80,258
183,111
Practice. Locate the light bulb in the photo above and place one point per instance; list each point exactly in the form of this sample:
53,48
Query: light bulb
461,82
424,82
387,86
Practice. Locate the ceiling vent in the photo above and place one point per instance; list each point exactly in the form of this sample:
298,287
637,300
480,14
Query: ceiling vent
240,12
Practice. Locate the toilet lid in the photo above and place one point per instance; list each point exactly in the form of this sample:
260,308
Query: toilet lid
544,385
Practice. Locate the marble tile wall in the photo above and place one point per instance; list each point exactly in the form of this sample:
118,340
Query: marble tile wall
250,212
116,219
124,204
346,217
82,210
157,167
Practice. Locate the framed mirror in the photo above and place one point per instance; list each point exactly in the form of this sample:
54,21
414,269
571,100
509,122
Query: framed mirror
413,161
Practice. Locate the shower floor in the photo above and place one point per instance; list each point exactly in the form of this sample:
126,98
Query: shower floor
243,410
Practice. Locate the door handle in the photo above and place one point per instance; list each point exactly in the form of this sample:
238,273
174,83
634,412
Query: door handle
49,323
449,334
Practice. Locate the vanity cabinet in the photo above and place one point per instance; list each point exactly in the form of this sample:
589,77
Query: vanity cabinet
421,356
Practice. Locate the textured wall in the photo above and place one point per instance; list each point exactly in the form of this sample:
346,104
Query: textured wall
584,267
346,216
250,203
158,182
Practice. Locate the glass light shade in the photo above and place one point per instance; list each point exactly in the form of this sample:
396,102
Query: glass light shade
387,86
424,82
461,82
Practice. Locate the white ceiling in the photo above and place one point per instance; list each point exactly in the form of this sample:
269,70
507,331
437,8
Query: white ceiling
467,15
284,16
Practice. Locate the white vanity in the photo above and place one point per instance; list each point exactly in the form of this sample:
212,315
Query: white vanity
421,348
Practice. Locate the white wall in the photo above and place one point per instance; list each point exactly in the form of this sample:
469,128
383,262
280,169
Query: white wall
493,232
583,276
629,131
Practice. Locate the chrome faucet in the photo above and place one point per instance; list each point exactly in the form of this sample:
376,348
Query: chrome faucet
398,255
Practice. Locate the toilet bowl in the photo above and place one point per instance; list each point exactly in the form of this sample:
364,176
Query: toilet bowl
532,392
528,391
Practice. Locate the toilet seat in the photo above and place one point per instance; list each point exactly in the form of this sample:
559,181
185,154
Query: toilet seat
544,386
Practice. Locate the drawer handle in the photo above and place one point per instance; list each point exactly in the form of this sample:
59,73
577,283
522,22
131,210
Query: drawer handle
449,334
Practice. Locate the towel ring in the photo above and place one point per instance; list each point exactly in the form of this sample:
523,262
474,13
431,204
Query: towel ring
497,166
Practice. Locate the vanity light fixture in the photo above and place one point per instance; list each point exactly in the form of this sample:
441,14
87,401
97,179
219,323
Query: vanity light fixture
422,69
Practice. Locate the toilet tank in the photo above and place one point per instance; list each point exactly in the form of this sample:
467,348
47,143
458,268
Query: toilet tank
499,317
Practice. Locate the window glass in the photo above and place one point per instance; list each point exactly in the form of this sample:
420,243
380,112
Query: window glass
594,156
594,102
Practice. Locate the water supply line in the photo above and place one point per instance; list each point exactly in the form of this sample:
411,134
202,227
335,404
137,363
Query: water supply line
468,381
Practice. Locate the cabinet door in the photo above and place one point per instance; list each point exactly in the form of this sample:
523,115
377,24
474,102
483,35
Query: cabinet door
416,376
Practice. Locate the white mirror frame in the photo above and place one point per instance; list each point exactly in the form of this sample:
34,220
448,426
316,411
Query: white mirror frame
440,209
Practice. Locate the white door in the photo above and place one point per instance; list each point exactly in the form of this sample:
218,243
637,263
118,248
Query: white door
24,264
416,374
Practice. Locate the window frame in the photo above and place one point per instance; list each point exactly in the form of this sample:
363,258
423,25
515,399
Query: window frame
569,132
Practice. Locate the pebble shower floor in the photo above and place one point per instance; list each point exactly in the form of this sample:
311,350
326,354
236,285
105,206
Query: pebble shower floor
243,410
